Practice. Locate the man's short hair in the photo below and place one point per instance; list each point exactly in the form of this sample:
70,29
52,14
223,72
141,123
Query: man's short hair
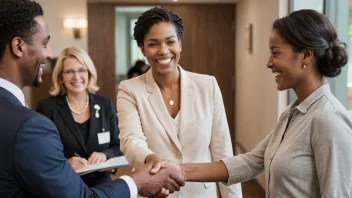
17,20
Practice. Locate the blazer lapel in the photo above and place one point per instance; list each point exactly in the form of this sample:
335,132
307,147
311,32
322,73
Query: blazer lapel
66,115
94,123
187,102
158,105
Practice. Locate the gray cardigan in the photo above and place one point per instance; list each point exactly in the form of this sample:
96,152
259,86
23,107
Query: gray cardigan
312,158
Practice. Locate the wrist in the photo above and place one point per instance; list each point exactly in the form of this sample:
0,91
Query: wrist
183,168
136,180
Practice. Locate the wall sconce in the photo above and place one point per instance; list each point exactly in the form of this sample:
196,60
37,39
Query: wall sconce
76,25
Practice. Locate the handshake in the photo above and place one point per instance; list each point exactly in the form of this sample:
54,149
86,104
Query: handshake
158,177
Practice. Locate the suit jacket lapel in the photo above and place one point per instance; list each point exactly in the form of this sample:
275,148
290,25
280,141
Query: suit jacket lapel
66,115
187,102
94,123
158,105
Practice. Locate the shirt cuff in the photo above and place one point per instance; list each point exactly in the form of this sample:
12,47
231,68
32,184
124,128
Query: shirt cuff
131,185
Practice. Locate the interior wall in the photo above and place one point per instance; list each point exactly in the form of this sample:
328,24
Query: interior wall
55,11
256,98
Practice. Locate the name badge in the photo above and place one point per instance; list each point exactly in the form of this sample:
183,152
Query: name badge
104,137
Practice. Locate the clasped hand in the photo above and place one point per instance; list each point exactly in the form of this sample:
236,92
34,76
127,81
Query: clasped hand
170,174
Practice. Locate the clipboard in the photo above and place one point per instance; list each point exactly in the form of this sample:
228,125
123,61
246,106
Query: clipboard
115,162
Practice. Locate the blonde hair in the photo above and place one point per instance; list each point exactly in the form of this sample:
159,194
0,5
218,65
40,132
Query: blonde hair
82,57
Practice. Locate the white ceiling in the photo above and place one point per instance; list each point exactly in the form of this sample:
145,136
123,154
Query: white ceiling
164,1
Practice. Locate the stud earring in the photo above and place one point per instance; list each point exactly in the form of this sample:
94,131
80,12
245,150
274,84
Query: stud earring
304,66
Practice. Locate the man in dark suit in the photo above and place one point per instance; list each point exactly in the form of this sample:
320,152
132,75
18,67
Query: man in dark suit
32,163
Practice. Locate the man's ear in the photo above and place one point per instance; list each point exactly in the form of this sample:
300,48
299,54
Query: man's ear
308,55
17,46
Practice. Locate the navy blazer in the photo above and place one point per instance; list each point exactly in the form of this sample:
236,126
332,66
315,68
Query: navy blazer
32,159
57,110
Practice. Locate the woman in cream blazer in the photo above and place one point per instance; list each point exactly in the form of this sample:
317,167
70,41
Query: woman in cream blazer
169,113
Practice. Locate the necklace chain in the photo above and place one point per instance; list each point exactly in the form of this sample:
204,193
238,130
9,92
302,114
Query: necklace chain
75,112
171,102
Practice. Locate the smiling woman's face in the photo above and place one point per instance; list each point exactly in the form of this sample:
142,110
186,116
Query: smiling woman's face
162,48
285,64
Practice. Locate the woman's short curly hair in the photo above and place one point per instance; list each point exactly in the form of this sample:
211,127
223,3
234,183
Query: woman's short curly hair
82,57
154,16
17,20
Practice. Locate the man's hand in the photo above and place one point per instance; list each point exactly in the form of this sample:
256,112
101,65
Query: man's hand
169,178
165,164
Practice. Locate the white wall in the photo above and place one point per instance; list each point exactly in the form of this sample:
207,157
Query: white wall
55,11
257,99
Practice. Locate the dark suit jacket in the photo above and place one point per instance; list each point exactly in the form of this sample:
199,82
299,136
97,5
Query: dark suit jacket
32,160
57,110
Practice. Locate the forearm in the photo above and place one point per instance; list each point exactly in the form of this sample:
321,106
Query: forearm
136,155
205,172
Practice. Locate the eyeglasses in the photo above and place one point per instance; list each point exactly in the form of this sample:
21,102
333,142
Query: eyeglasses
71,72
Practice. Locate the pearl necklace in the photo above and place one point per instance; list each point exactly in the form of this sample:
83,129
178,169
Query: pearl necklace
78,113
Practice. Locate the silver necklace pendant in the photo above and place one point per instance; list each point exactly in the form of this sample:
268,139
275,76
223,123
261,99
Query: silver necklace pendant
171,102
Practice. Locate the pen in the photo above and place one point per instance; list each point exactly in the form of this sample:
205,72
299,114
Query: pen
76,154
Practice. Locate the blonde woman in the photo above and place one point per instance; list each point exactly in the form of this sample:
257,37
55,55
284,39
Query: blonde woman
87,122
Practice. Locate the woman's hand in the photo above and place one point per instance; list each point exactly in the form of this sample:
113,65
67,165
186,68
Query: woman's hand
77,163
96,158
156,161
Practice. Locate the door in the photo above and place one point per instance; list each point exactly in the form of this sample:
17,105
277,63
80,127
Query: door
208,47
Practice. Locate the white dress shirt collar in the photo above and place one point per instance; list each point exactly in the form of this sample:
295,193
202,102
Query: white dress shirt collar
13,89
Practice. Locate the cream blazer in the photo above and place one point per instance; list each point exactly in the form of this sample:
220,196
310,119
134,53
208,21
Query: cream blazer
146,127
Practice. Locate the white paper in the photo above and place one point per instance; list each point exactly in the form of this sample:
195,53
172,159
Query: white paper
111,163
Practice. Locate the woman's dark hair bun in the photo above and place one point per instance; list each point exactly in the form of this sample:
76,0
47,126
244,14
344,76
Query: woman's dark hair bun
334,59
309,29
